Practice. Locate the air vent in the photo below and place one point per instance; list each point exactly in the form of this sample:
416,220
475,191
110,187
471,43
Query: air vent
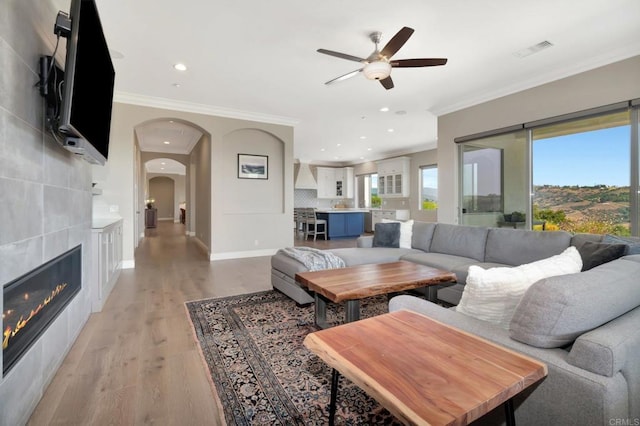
533,49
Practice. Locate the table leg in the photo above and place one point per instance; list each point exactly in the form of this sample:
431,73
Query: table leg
320,311
509,413
335,379
352,311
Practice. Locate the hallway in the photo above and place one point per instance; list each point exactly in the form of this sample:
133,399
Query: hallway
137,362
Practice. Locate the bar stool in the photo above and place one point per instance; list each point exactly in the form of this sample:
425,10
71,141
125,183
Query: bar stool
311,219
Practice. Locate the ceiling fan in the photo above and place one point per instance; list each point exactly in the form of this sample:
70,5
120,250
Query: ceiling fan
377,66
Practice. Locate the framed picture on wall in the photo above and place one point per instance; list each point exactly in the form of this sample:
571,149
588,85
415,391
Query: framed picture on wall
253,166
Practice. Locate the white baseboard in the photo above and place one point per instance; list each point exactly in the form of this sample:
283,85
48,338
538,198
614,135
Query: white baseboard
128,264
202,245
242,254
190,233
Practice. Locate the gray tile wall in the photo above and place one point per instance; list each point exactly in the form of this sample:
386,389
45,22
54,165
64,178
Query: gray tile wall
46,198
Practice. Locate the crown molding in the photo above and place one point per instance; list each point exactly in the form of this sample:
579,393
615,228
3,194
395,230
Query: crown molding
171,104
603,60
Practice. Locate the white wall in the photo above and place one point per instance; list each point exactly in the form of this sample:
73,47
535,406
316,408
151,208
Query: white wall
602,86
275,229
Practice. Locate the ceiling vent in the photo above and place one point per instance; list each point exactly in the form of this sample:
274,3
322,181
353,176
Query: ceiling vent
305,179
532,49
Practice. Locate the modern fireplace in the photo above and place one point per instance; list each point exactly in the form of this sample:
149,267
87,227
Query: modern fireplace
34,300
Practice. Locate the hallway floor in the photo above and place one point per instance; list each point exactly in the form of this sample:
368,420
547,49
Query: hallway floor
137,362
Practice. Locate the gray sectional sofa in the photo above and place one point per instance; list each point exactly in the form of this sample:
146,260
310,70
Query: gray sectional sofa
585,326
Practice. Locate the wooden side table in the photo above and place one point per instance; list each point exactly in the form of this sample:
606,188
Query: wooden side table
151,218
423,371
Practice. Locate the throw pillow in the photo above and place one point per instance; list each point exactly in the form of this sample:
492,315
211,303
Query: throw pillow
406,231
594,254
632,245
386,235
493,294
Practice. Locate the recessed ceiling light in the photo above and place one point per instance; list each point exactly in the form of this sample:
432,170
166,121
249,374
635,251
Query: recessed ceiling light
163,163
369,149
384,109
171,121
322,149
338,144
166,142
180,67
363,137
161,168
390,130
362,158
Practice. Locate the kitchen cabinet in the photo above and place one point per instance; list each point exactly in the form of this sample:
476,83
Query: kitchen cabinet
393,177
106,244
378,215
335,182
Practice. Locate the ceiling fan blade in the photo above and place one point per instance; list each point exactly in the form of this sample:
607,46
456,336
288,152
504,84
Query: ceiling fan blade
424,62
344,77
396,42
341,55
387,83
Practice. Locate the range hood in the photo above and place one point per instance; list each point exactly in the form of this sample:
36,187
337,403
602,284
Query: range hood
305,179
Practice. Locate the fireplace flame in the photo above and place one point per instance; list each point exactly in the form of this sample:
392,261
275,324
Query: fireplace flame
21,323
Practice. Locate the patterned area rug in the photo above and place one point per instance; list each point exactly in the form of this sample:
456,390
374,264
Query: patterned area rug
263,374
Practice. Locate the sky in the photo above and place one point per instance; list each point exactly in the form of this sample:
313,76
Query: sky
585,159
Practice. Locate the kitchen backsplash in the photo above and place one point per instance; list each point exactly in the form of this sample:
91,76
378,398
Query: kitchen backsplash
308,198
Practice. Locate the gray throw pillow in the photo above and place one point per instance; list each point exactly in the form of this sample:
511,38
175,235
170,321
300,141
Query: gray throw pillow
387,235
632,246
594,254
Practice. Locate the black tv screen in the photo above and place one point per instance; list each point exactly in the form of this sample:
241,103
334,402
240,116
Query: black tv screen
88,87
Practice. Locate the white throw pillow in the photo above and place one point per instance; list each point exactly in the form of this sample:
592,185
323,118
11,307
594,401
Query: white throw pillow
493,294
406,231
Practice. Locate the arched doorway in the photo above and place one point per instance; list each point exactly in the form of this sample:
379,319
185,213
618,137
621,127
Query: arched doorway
176,150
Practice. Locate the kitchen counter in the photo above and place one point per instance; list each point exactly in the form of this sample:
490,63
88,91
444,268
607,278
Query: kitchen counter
99,223
340,210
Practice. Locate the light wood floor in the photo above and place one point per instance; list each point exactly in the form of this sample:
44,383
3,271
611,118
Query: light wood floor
136,362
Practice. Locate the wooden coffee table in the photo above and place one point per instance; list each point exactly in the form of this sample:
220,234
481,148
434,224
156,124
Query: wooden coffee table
357,282
423,371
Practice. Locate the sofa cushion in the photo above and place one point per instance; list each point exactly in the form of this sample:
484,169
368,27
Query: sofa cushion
493,294
459,240
555,311
387,235
422,235
594,254
607,349
518,246
359,256
446,262
578,239
632,244
406,231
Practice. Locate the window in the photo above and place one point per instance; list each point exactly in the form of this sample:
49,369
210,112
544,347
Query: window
581,174
370,193
428,187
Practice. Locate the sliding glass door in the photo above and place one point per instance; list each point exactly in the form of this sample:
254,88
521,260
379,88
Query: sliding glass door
577,173
581,174
493,183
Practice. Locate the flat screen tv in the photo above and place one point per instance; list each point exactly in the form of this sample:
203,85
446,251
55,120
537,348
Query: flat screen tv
85,117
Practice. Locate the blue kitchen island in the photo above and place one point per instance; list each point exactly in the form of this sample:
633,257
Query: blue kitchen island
343,223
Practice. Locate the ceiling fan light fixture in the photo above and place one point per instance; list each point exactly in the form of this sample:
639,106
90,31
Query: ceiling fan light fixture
377,70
